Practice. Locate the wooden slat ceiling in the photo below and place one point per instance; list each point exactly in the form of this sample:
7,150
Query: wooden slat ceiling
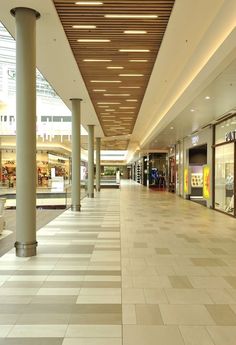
127,94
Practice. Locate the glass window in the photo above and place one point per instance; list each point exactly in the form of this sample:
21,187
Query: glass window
224,178
223,129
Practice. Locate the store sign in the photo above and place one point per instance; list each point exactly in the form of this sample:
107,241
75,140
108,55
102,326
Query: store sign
230,136
195,140
186,180
206,182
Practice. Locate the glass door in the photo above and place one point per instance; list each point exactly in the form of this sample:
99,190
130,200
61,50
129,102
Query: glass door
224,178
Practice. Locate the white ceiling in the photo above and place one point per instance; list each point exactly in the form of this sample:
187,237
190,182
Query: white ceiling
199,43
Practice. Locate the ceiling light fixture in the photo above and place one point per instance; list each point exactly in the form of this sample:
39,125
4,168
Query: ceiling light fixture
103,106
192,110
107,103
84,26
99,90
171,127
93,40
115,67
127,107
207,97
135,32
105,81
89,3
131,100
138,60
131,75
134,50
117,94
97,60
131,16
129,87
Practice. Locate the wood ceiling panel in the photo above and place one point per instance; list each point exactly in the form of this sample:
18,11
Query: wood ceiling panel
116,119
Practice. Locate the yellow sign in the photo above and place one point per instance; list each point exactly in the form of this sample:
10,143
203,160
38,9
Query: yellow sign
206,182
186,180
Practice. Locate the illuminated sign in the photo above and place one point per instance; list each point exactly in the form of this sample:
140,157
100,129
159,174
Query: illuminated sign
186,180
230,136
195,140
206,182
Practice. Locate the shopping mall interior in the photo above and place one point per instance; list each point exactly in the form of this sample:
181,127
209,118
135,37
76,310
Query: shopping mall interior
117,166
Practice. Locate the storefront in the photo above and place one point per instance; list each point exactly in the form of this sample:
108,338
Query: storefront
158,170
197,167
224,153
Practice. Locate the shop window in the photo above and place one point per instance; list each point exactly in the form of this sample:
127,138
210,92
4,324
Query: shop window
224,178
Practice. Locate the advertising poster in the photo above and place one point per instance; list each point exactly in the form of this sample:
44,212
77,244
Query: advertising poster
206,182
186,180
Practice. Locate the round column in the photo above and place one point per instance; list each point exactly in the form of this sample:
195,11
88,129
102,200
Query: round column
91,161
98,167
25,131
76,154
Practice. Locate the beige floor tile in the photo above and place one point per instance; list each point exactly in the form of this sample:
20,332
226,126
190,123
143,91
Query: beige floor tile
205,262
196,335
196,315
93,331
38,331
92,341
222,314
222,335
180,282
128,314
4,330
151,335
133,296
155,296
188,296
209,282
220,296
89,299
148,314
100,291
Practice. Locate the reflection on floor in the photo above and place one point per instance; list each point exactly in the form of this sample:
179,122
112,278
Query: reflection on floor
178,275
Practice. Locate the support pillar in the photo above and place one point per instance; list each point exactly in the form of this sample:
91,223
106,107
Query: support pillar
98,167
91,161
25,131
76,154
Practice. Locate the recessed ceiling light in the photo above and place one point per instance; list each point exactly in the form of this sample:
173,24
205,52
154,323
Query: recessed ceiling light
129,87
117,94
114,67
105,81
131,75
135,32
108,103
127,107
93,40
97,60
134,50
109,109
125,16
99,90
103,106
84,26
207,97
171,127
131,100
138,60
192,110
89,3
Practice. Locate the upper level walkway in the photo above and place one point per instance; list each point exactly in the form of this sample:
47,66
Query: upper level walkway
134,267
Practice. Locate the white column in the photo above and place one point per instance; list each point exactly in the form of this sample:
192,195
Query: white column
25,131
76,154
98,167
91,161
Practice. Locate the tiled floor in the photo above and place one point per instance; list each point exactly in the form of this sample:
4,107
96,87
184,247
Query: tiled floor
175,284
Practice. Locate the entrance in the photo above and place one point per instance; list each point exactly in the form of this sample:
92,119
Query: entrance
197,159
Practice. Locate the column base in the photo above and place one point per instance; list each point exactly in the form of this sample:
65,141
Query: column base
25,249
75,208
90,195
98,189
